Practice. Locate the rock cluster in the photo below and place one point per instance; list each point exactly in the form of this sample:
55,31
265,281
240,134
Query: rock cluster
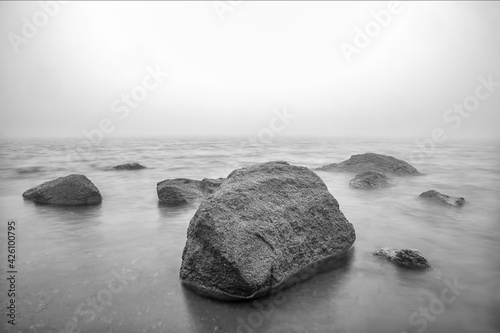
261,227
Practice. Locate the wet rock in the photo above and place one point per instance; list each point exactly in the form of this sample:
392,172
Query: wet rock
32,169
370,180
373,162
442,199
72,190
409,258
183,190
208,186
179,190
262,228
129,166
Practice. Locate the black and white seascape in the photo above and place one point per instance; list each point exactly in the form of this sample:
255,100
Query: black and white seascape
247,167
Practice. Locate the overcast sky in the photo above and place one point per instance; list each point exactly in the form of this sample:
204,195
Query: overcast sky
230,68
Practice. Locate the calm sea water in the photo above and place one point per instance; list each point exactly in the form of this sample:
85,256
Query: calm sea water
114,267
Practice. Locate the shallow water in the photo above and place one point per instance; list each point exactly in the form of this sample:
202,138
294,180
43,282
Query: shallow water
114,267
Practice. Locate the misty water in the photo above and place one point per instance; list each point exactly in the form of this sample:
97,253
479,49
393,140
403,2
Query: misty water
115,267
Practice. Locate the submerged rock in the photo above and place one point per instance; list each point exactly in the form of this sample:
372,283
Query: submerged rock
409,258
443,199
129,166
183,190
373,162
72,190
32,169
265,225
369,180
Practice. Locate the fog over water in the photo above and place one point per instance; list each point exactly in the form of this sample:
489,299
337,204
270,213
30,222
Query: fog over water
225,77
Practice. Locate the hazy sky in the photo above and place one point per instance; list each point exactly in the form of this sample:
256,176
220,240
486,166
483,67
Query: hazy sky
228,76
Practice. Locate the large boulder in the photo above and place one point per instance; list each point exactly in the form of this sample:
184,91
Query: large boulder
183,190
265,225
72,190
370,180
373,162
409,258
129,166
442,199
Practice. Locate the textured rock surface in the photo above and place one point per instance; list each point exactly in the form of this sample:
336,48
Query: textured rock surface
406,257
442,199
183,190
208,186
129,166
369,180
264,226
72,190
373,162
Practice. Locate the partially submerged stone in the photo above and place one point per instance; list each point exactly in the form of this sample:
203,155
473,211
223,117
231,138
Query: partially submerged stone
409,258
183,190
129,166
263,227
442,199
370,180
72,190
373,162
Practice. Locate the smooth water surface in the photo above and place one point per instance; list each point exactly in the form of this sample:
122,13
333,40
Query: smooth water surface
115,267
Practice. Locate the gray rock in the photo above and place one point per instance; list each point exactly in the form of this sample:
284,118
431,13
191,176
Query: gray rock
409,258
183,190
263,227
129,166
208,185
33,169
72,190
442,199
370,180
373,162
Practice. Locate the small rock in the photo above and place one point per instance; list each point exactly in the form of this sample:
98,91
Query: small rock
373,162
443,199
183,190
208,186
72,190
409,258
369,180
129,166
